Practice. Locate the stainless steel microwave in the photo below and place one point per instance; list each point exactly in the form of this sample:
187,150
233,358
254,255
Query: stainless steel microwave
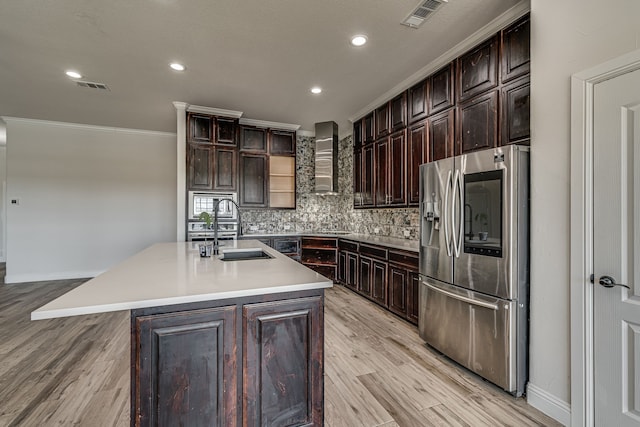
206,201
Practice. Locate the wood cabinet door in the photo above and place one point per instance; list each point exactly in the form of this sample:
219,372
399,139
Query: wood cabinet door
514,100
368,128
382,120
226,131
417,155
478,123
357,134
186,365
398,112
413,297
253,182
352,270
381,172
379,282
365,266
283,363
478,70
282,142
397,169
253,139
199,166
368,175
441,135
441,84
398,280
516,49
342,267
200,128
224,170
357,178
417,102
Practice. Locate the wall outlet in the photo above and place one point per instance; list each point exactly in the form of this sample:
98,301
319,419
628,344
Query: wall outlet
15,201
253,228
287,226
376,230
407,233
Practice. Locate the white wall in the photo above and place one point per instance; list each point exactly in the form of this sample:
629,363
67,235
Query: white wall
3,183
89,197
567,37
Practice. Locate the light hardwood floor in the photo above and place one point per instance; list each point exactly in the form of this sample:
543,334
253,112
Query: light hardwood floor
75,371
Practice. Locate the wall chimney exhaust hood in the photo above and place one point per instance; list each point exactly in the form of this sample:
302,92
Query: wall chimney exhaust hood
326,161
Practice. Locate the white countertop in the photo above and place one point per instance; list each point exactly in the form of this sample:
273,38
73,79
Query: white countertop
174,273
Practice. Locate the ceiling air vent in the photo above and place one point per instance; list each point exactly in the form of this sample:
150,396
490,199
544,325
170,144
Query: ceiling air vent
424,10
93,85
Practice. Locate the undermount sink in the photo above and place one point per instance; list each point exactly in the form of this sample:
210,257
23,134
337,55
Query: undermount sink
240,254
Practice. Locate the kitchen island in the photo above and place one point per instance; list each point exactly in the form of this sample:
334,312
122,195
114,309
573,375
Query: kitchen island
214,342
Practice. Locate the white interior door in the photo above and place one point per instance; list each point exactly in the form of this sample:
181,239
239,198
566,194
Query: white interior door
616,251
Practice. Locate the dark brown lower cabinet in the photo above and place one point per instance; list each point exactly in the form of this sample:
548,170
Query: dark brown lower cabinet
246,361
282,375
387,276
321,255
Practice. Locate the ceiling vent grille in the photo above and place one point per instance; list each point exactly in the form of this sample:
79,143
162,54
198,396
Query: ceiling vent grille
424,10
92,85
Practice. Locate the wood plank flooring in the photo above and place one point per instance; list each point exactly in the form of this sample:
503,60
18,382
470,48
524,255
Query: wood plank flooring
75,371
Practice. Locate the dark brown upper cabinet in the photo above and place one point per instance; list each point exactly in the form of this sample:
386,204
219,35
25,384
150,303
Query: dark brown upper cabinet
199,167
282,143
226,131
441,128
515,112
368,128
398,112
478,70
382,120
357,177
417,155
441,85
224,169
391,170
478,123
417,103
253,139
368,176
253,180
200,128
357,133
516,49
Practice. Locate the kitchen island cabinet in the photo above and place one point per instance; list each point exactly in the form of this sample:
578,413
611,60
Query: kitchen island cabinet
214,342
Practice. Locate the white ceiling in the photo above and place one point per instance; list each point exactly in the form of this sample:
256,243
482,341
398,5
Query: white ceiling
256,56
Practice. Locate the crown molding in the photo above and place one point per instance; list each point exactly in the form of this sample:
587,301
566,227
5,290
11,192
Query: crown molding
10,120
509,16
213,111
266,124
308,133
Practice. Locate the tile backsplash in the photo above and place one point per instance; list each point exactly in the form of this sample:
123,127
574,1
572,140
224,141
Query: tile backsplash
316,212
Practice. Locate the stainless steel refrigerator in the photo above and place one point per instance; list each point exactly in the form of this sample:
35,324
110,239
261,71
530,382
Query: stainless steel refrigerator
474,262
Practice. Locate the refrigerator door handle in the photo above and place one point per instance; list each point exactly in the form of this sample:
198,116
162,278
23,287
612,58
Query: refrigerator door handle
457,188
461,297
445,217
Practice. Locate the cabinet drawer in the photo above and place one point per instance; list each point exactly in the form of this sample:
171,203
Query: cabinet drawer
348,246
319,242
406,259
373,251
319,255
287,245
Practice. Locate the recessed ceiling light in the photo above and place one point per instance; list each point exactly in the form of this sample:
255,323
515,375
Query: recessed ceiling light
73,74
177,66
358,40
316,90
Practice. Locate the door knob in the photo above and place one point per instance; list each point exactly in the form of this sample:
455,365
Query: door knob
610,282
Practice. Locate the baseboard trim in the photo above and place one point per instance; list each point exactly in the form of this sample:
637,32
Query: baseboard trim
551,405
67,275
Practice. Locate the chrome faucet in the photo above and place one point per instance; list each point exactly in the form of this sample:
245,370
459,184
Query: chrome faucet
215,223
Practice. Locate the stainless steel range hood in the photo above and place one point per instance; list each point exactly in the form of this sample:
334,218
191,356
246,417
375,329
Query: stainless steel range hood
326,158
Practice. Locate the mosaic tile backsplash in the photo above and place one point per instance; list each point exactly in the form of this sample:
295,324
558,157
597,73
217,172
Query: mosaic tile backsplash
315,212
